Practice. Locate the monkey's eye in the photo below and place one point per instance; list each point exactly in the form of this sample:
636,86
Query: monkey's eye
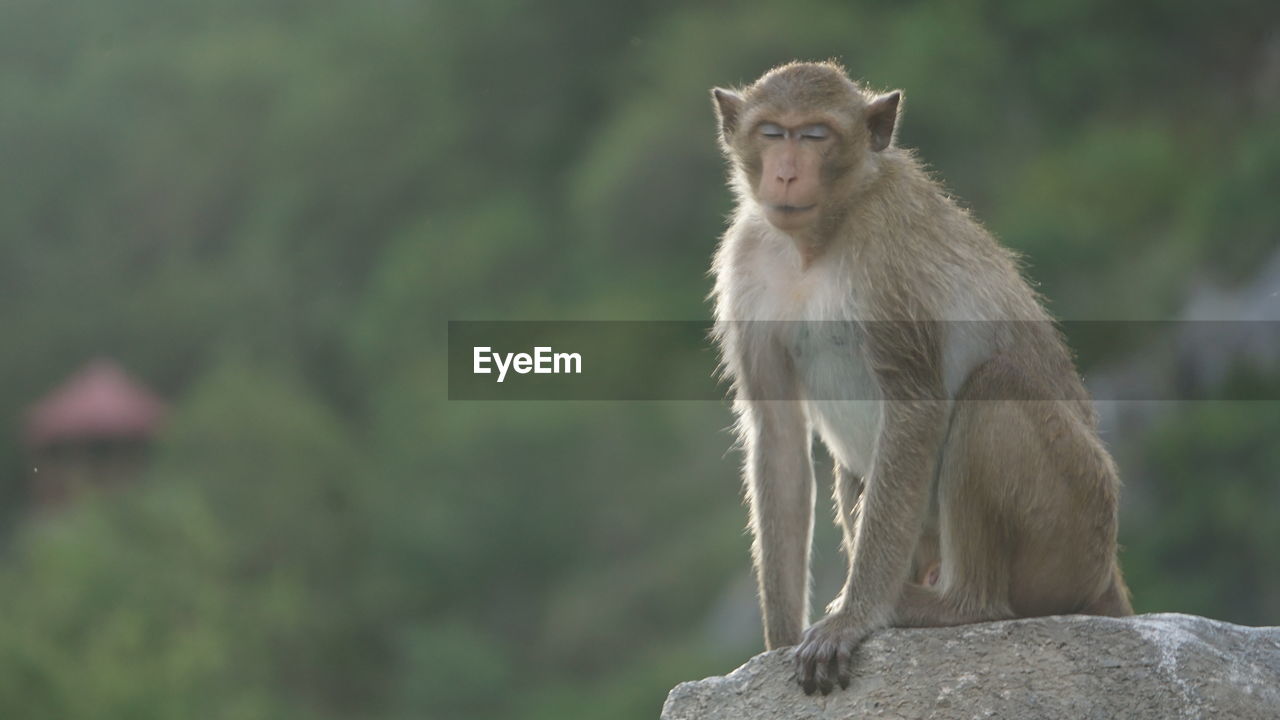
815,132
770,130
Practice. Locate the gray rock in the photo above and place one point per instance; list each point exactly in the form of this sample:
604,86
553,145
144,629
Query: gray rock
1150,666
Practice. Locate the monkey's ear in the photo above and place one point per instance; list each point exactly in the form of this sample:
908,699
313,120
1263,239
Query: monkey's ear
728,106
882,118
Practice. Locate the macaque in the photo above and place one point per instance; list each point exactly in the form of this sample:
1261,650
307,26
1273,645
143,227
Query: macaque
856,301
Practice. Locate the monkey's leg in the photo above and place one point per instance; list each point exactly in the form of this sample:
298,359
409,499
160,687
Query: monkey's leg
1114,601
1027,514
1063,518
985,445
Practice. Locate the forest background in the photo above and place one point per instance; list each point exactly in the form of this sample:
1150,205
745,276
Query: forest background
268,212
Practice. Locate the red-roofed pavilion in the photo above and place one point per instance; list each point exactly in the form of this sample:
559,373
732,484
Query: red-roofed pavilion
93,430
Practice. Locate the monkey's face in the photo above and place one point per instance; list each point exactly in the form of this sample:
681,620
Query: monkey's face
787,178
801,140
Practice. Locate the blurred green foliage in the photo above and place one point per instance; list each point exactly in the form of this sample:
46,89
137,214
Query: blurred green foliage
268,210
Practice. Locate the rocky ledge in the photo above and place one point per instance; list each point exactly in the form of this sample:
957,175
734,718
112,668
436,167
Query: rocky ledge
1149,666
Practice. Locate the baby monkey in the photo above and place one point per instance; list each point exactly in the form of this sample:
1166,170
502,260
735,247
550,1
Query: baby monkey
856,301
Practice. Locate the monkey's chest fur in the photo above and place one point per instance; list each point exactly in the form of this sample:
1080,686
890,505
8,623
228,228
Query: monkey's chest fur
841,397
817,315
813,313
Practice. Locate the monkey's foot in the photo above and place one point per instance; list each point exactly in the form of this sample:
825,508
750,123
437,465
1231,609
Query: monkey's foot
824,658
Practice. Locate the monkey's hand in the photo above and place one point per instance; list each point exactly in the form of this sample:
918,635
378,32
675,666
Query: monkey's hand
824,658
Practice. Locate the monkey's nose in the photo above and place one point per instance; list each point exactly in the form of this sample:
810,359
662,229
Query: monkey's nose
785,172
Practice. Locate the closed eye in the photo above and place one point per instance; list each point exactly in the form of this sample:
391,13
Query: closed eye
770,130
815,132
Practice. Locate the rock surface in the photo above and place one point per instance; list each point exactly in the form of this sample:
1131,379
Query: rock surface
1150,666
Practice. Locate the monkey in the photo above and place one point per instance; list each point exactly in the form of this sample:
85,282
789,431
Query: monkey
857,302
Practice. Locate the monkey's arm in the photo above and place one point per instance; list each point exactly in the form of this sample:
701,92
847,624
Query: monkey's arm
778,477
894,508
780,485
895,498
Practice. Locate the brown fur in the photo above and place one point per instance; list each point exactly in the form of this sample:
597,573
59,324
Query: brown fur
971,484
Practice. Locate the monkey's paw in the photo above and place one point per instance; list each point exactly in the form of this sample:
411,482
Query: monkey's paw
824,658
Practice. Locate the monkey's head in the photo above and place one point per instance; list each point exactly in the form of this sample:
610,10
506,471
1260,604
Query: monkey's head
802,139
